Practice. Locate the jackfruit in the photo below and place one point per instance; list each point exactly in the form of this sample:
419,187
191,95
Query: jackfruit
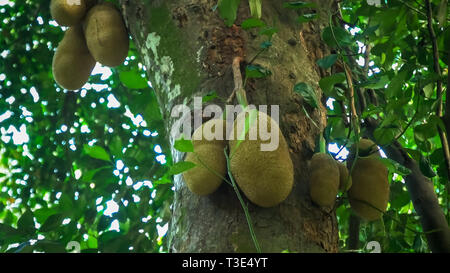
366,147
209,157
369,193
72,63
261,166
69,12
106,34
324,179
345,180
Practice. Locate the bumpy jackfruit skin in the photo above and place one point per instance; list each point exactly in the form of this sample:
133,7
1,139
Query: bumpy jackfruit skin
345,180
72,63
265,177
201,180
106,34
324,179
68,12
369,193
204,180
366,147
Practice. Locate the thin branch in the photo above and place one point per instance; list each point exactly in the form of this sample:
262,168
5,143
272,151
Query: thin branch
437,69
244,207
413,8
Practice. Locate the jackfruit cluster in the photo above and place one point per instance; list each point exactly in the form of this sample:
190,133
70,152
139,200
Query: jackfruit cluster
264,176
369,194
96,33
327,178
367,186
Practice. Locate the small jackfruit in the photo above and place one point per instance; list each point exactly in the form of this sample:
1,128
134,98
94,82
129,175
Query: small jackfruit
369,193
106,34
262,167
366,147
345,180
209,157
324,179
72,63
68,12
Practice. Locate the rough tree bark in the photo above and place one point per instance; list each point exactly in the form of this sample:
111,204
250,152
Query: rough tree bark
188,51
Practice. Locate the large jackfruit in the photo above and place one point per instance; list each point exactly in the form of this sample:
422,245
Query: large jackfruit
72,63
211,166
261,166
106,34
369,194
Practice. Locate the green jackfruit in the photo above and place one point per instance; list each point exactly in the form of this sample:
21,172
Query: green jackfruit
265,177
69,12
72,63
324,179
345,180
369,194
106,34
209,157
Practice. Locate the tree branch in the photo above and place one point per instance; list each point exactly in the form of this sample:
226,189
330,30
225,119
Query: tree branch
353,232
422,194
437,69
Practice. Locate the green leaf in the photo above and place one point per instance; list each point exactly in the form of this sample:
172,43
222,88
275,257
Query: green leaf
327,83
308,94
115,146
133,80
337,37
26,222
96,152
50,246
256,72
52,222
298,5
255,8
269,32
104,222
376,83
89,175
386,134
252,23
428,90
395,167
327,61
210,96
396,85
228,11
400,197
425,167
184,145
180,167
425,131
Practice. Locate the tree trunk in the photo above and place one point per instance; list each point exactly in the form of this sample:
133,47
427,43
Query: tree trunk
188,52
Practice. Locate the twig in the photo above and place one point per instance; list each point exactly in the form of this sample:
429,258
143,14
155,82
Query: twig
351,97
239,90
244,207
